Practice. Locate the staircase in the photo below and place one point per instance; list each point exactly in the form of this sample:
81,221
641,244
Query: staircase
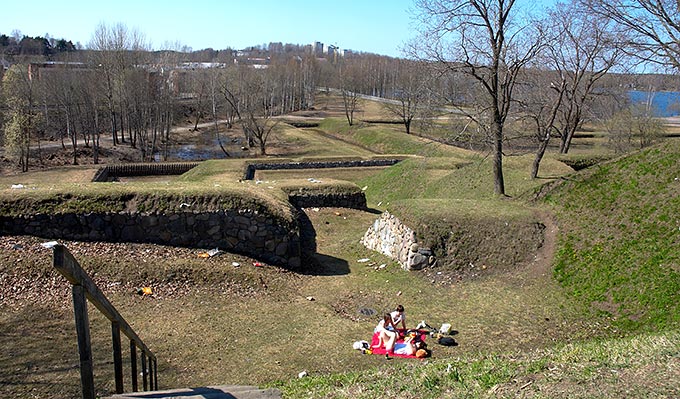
216,392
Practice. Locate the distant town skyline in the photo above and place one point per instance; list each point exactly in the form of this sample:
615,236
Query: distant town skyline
380,27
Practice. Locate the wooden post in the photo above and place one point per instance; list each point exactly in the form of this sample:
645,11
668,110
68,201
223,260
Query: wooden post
133,365
117,356
144,372
151,376
155,374
84,347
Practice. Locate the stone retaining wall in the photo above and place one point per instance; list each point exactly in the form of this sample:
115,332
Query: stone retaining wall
249,173
389,236
328,200
239,231
111,172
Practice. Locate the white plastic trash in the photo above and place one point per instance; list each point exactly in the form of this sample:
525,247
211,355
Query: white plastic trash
445,329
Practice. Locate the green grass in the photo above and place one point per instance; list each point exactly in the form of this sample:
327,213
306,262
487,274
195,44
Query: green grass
590,369
456,178
619,254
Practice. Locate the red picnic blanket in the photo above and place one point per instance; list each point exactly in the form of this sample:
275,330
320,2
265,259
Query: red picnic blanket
398,347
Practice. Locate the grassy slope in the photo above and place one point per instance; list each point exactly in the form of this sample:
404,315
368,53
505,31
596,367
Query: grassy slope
619,251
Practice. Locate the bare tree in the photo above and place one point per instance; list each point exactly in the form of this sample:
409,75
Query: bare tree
540,98
259,108
62,89
583,50
200,92
215,103
231,88
480,39
115,51
350,78
632,129
652,27
411,92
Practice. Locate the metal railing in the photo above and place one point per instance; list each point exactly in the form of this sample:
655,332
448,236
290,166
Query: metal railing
84,289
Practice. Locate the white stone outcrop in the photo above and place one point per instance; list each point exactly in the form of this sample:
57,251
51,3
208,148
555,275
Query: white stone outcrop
389,236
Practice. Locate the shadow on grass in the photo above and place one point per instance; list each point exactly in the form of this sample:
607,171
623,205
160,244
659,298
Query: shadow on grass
315,264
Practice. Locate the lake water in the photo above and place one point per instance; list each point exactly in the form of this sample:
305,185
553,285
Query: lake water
664,103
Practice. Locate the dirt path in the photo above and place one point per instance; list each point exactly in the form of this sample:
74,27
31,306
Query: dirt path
542,262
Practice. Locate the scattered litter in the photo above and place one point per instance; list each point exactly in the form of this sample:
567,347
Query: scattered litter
258,182
270,187
382,266
364,188
379,203
184,205
145,291
439,273
423,324
338,214
448,368
214,252
210,253
361,345
313,180
311,298
302,374
445,328
18,186
258,264
399,293
363,260
49,244
315,209
235,264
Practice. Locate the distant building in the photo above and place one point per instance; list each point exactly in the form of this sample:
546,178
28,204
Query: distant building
318,48
36,69
254,62
202,65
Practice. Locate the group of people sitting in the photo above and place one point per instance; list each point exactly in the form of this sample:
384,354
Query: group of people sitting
389,334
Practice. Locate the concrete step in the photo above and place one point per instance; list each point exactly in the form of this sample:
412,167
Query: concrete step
214,392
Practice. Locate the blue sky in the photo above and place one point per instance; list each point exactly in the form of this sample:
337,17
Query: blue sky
377,26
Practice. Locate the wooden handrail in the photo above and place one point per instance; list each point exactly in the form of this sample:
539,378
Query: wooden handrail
83,287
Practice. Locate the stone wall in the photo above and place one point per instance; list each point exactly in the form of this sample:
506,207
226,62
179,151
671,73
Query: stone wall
389,236
249,173
111,172
328,200
240,231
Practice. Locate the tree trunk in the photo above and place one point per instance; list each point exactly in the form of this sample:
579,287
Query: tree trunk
539,156
499,183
